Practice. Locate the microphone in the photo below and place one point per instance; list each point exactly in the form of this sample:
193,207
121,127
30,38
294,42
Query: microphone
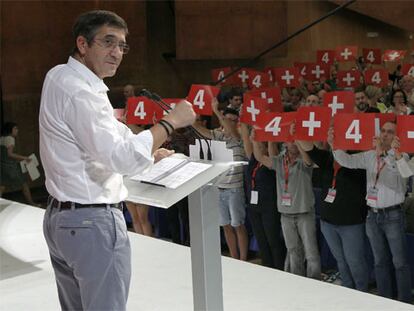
167,108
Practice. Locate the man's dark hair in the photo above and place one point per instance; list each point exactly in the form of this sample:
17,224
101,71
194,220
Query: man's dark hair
7,128
229,110
360,89
235,91
88,23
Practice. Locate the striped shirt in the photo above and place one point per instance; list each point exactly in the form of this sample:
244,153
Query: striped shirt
234,177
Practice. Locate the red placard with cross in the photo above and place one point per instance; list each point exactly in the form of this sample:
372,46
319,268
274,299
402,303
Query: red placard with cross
393,55
286,77
201,97
276,127
219,73
241,77
348,78
253,110
381,119
377,77
354,131
312,123
271,95
303,69
407,70
405,132
346,53
140,110
318,71
372,56
257,79
339,101
326,57
172,102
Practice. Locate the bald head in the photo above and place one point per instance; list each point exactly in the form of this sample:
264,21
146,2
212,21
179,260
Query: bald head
129,91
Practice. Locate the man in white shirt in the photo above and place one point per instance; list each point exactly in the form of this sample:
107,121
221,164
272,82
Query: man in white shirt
85,151
385,225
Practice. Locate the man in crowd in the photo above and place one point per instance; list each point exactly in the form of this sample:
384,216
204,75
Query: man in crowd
362,103
85,151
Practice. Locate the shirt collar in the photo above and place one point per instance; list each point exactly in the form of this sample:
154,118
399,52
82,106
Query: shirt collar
92,79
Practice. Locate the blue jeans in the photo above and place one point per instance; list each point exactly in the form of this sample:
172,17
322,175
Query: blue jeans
386,235
347,244
232,207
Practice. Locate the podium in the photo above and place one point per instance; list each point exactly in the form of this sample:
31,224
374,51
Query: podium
204,228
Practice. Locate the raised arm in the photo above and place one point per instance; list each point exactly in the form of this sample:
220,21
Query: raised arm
231,127
247,144
259,152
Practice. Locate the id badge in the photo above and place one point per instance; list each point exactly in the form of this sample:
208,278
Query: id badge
286,199
372,197
254,197
330,197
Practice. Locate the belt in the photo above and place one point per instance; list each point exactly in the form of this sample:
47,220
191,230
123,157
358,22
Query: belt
385,209
68,205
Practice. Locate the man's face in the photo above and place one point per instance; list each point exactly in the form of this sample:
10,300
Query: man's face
312,101
292,149
387,134
361,101
104,61
235,101
128,91
407,83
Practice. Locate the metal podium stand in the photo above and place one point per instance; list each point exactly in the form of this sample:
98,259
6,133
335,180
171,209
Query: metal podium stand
204,229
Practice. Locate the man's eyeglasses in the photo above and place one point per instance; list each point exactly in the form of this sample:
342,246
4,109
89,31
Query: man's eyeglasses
112,43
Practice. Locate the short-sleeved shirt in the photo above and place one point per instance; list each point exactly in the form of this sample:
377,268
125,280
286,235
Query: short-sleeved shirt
234,177
299,186
7,141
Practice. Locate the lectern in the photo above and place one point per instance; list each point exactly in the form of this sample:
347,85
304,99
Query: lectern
204,228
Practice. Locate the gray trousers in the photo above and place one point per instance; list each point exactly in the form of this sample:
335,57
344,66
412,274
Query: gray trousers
299,231
91,256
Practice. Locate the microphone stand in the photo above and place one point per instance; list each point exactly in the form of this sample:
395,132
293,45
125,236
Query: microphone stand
167,108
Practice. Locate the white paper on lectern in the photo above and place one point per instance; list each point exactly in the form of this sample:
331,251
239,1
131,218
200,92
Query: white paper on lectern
159,169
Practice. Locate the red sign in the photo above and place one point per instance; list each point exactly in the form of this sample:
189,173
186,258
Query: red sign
253,110
241,77
171,102
318,71
303,69
354,131
219,73
268,70
326,57
372,56
201,97
405,132
276,127
257,79
346,53
312,123
377,77
348,78
140,110
271,95
407,70
286,77
393,55
339,102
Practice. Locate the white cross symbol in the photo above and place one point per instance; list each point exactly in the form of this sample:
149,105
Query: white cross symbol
252,110
311,124
346,53
287,77
317,72
393,55
335,106
348,79
269,100
243,76
410,134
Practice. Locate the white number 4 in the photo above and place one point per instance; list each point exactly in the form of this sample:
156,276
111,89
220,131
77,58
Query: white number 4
199,99
139,111
257,81
353,132
273,126
325,57
370,56
376,78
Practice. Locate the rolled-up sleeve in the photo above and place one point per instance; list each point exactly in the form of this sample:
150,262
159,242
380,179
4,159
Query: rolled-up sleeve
358,160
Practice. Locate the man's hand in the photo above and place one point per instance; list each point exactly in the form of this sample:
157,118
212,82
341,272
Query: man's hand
395,144
331,136
162,153
376,143
182,115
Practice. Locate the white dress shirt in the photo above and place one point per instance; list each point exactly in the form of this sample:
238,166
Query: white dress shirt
391,185
84,149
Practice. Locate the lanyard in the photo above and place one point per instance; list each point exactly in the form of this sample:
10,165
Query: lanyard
286,162
258,165
336,169
379,169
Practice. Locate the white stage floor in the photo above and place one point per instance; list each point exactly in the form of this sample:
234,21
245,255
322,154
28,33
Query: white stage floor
161,277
